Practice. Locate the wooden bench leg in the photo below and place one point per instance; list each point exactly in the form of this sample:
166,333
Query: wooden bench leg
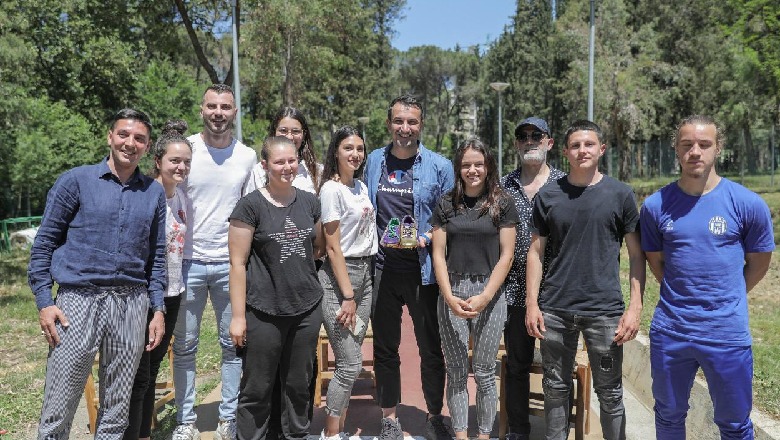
92,403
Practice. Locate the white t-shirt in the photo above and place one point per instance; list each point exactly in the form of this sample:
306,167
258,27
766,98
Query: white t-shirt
217,180
175,233
302,179
355,213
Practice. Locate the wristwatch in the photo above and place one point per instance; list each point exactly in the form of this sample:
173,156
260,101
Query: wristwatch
161,308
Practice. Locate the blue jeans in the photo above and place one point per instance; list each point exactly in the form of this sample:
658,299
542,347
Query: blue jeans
559,348
729,370
203,279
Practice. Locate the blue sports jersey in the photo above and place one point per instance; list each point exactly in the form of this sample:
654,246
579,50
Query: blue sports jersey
704,240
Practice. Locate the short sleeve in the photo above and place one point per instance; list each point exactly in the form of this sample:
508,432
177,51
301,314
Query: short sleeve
630,213
438,218
650,234
509,215
539,217
246,210
331,202
758,231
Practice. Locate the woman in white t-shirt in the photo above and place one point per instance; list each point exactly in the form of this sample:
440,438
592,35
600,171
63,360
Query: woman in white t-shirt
172,156
290,123
350,242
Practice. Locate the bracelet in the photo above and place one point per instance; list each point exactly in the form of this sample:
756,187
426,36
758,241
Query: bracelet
348,299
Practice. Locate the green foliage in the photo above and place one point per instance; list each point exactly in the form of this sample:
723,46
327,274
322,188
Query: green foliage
50,140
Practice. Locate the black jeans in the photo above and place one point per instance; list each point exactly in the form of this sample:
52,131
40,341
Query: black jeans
520,356
142,398
278,348
395,290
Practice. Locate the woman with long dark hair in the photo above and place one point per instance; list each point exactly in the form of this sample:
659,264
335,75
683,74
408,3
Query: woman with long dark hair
350,242
473,248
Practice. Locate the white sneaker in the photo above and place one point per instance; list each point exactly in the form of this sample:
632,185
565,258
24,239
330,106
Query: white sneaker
185,431
226,430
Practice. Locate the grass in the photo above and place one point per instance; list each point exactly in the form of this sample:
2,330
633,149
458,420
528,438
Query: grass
23,354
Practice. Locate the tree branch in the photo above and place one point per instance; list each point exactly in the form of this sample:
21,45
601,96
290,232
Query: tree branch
195,42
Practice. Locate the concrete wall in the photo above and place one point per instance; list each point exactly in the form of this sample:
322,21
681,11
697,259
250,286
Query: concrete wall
699,426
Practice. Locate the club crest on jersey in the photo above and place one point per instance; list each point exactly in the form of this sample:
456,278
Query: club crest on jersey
718,225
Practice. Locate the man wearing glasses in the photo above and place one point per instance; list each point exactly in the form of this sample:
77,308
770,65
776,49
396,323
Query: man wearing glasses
532,141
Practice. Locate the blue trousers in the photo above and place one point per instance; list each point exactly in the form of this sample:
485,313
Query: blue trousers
729,373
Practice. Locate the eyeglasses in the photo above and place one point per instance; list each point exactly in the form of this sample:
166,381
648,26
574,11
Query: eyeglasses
535,136
284,131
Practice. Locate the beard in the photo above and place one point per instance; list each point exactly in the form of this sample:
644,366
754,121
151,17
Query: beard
534,157
224,127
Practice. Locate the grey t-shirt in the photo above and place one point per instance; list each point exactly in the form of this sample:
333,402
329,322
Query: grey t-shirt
281,279
584,227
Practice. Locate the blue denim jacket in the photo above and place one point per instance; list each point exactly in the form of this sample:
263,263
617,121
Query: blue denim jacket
433,176
98,232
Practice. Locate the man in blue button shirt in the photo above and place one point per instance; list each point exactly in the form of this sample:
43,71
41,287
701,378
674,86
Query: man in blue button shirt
102,240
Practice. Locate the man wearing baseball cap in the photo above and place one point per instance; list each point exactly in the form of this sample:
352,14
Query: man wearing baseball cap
532,141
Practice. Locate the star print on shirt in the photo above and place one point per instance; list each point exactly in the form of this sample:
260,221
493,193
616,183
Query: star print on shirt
291,239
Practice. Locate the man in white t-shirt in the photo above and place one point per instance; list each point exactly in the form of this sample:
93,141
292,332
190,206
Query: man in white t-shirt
220,169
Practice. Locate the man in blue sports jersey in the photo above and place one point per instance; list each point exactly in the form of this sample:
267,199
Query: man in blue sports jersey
708,241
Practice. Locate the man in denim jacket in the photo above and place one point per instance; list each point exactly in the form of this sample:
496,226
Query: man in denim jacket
405,181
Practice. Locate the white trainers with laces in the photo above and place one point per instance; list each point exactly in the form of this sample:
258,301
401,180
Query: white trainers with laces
185,431
226,430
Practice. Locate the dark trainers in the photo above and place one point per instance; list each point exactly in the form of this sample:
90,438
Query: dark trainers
391,430
516,436
435,429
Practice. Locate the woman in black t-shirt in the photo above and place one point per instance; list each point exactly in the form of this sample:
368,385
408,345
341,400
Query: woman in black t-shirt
273,239
473,248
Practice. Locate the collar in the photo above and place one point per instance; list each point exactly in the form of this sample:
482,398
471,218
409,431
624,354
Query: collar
104,172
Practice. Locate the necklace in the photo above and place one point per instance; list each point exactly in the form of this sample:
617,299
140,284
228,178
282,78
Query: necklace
280,201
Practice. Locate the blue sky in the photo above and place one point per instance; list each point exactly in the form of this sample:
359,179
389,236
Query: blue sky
445,23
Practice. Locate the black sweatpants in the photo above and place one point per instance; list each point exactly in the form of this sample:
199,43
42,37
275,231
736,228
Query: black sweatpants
142,399
394,290
277,344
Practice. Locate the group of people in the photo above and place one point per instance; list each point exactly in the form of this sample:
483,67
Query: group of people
288,244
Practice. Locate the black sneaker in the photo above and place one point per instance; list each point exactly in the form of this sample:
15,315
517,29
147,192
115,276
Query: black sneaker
516,436
435,429
391,430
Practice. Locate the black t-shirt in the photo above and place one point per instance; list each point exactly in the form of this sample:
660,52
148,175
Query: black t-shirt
473,245
281,279
584,227
395,198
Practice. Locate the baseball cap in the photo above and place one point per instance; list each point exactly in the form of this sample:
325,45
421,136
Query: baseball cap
539,123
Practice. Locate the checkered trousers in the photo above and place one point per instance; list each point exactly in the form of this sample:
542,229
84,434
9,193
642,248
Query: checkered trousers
111,320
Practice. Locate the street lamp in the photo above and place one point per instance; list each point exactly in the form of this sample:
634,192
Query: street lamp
591,55
236,83
500,87
363,120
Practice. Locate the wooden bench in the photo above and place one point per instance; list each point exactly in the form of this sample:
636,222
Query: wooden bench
326,367
93,400
580,416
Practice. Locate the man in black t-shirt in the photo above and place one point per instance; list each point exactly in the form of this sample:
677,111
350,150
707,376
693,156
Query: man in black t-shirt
581,220
532,141
405,181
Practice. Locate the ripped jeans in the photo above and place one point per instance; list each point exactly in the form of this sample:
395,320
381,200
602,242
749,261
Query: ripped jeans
559,348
